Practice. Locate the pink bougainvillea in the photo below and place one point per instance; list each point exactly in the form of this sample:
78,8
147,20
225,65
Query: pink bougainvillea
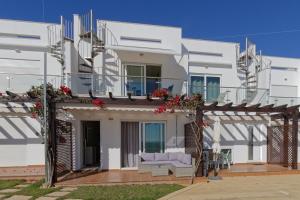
98,102
161,93
65,90
183,103
37,109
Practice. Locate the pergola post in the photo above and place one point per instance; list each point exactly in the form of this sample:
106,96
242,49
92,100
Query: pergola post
52,142
286,140
295,138
199,138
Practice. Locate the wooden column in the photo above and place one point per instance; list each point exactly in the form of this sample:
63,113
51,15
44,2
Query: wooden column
286,141
295,139
199,120
52,139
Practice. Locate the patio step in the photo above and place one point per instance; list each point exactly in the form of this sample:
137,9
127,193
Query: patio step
79,174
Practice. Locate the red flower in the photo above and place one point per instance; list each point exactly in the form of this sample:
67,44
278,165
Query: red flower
65,90
160,109
33,115
160,93
98,102
38,105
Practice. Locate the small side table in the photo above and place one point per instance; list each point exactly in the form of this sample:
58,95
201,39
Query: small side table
160,170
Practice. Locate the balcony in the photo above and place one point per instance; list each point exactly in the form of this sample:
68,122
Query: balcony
290,101
120,86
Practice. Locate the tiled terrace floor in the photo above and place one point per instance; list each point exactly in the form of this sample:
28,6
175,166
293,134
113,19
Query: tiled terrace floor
132,176
126,176
257,169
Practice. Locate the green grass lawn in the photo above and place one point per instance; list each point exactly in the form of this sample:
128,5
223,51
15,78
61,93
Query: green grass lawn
35,190
123,192
4,184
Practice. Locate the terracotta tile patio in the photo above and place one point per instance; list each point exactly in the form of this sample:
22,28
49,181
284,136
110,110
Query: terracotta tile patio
257,169
126,177
133,177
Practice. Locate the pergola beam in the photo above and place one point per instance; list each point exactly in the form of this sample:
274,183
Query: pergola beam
244,108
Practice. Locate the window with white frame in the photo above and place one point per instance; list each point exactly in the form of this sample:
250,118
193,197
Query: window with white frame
142,79
207,85
153,137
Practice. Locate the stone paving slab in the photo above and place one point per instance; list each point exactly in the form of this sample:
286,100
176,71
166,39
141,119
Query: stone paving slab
19,197
57,194
12,190
73,199
22,186
242,188
47,198
68,189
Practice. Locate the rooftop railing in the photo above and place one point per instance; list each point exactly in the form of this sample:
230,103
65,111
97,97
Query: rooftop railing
120,86
290,101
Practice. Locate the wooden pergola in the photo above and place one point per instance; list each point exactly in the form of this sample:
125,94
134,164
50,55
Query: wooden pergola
276,112
282,112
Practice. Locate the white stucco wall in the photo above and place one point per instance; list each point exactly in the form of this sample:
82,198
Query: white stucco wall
110,133
20,141
235,136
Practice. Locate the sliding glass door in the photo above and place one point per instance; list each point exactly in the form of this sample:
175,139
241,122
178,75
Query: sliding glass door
153,137
208,86
129,144
142,79
153,78
197,85
212,88
135,80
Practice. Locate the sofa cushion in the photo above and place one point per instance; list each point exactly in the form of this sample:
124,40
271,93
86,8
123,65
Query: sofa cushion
181,165
161,156
174,155
147,156
185,158
156,162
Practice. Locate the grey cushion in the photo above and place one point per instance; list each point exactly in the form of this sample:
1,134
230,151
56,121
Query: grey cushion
174,155
180,164
185,158
161,156
147,156
156,162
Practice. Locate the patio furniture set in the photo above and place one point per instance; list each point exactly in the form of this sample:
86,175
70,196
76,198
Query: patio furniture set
161,164
225,159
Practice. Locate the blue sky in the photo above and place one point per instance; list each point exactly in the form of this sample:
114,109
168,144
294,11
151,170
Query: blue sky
205,19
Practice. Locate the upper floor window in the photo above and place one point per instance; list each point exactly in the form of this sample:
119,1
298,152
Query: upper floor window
208,86
142,79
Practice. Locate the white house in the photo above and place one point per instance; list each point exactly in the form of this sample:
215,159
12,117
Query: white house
120,57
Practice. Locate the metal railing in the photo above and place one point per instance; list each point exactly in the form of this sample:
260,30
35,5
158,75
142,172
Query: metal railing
290,101
120,86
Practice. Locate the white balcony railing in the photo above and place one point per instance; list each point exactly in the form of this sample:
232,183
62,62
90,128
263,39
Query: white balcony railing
290,101
101,85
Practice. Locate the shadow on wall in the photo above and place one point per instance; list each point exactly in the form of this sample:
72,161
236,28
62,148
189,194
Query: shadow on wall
19,130
234,130
173,71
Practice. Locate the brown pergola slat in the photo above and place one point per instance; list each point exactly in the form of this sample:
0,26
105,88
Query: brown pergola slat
212,105
269,106
282,106
228,105
242,105
255,106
